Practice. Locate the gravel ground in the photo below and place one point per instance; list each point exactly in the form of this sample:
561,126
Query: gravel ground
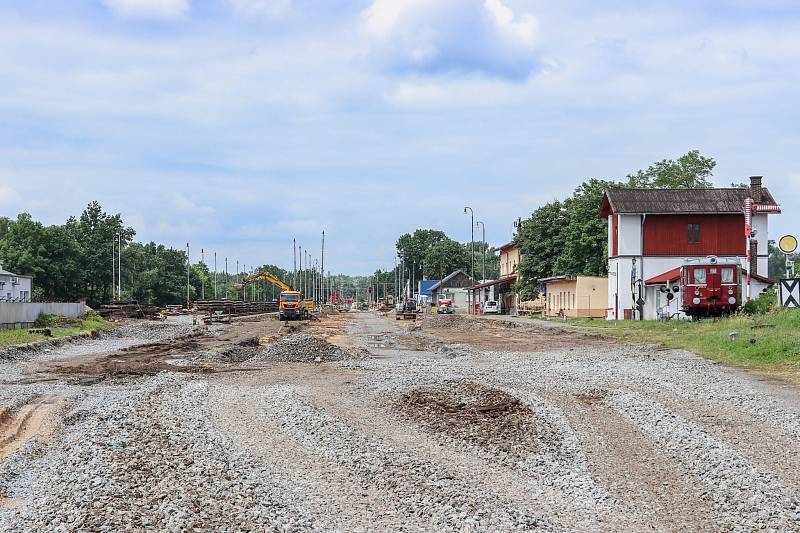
592,438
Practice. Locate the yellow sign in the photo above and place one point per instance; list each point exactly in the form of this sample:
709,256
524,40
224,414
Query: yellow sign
788,244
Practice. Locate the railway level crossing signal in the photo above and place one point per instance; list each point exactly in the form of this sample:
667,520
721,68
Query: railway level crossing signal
790,292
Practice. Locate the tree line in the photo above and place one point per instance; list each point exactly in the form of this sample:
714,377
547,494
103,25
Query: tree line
567,237
431,254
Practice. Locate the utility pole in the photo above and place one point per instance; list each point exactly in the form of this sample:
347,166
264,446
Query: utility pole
471,253
215,275
300,275
119,266
483,266
322,268
226,278
294,262
113,267
188,266
203,278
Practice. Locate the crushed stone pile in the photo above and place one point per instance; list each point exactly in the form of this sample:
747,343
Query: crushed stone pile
304,348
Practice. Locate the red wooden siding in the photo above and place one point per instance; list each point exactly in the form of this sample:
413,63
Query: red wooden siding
719,235
615,234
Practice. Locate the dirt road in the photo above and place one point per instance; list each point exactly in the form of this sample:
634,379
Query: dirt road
447,425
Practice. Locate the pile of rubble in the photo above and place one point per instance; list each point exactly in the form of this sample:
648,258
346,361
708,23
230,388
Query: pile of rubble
304,348
485,416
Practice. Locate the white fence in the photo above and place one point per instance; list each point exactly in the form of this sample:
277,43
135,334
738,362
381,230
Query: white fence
23,314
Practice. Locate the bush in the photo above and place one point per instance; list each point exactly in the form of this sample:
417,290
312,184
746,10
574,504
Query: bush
766,302
45,320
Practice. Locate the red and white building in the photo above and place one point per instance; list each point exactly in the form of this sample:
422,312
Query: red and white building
653,232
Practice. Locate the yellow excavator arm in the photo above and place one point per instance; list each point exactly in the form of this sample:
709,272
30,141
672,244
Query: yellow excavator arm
266,276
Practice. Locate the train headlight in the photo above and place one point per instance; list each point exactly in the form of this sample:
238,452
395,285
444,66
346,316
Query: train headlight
697,292
731,300
696,300
730,291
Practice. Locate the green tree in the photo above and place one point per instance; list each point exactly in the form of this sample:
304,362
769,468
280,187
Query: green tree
541,239
413,248
585,235
444,257
690,171
96,232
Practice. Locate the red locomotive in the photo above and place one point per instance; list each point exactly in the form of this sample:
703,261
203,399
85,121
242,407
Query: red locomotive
710,288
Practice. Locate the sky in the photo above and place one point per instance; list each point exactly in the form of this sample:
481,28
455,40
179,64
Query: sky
238,125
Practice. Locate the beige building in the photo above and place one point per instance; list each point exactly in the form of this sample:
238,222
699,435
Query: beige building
575,296
510,256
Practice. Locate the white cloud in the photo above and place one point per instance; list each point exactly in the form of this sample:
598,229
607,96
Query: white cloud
452,36
9,198
155,9
262,8
183,203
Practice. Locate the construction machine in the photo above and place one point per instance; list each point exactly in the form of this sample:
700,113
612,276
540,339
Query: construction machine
291,305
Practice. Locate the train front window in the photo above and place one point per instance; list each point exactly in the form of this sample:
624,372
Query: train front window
727,275
700,276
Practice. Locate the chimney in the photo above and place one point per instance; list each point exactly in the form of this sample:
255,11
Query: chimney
753,257
755,188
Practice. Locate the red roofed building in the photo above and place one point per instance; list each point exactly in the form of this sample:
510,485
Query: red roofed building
653,232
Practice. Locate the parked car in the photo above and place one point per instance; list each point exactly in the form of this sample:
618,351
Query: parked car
491,307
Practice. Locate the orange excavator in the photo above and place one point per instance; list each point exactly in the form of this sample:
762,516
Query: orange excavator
291,305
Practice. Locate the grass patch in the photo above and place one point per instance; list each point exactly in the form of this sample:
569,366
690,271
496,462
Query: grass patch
59,327
768,342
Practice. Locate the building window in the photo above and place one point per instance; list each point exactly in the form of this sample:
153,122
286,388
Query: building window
694,233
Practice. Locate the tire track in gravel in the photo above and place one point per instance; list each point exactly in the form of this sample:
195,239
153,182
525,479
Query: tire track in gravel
337,500
744,497
417,488
653,488
557,483
35,418
761,441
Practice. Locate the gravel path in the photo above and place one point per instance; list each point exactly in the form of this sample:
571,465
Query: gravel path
589,438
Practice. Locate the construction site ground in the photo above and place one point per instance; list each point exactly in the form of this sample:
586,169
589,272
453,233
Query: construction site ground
359,422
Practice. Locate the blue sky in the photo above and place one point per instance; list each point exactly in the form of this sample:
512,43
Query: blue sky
237,125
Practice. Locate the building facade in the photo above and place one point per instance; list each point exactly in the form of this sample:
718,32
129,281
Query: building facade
654,231
14,287
575,296
455,287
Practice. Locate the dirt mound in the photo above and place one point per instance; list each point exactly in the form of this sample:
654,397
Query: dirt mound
479,414
304,348
467,323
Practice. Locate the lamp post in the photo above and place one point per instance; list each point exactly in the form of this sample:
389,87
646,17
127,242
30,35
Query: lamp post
471,253
483,262
188,267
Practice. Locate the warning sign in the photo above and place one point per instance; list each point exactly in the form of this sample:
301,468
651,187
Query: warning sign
790,292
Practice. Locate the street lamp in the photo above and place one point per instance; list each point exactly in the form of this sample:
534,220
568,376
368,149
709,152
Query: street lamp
483,264
471,253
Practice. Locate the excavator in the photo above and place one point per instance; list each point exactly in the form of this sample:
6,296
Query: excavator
291,305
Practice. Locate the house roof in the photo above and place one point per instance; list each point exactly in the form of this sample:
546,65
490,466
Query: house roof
446,279
678,201
4,272
508,245
511,278
665,277
558,278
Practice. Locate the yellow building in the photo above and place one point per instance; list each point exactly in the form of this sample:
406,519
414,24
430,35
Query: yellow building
575,296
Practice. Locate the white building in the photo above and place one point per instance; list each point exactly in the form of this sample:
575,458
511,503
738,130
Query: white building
14,287
652,232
